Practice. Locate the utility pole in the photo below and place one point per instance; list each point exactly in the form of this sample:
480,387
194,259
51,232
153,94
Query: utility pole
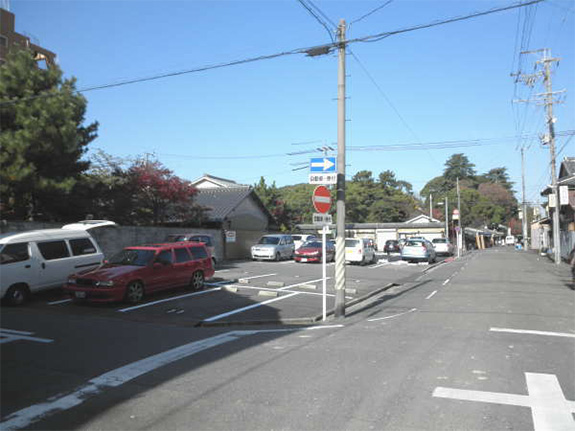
339,310
459,233
430,206
446,218
547,99
524,220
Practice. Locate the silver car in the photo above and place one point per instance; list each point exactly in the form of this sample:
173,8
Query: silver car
418,250
273,247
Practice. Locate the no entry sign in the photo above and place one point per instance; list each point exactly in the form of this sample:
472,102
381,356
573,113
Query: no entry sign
321,199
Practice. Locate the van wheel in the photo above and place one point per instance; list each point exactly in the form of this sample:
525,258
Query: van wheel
134,292
16,295
278,257
197,281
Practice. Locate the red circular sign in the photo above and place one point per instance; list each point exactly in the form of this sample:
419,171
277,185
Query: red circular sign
321,199
455,211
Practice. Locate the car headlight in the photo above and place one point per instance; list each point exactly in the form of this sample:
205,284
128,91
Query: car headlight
72,280
104,284
315,253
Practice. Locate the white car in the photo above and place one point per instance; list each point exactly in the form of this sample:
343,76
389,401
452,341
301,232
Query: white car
273,247
43,259
359,250
443,246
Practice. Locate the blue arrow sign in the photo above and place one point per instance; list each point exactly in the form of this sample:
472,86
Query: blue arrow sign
322,164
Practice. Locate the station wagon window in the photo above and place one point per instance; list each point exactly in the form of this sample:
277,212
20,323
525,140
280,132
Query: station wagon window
53,250
273,240
182,255
165,256
199,252
82,246
14,253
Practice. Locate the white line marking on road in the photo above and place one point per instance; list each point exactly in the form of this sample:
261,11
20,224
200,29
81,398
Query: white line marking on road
62,301
549,408
287,261
10,335
304,282
446,281
222,270
526,331
124,310
23,418
249,307
267,289
14,331
258,276
431,294
389,317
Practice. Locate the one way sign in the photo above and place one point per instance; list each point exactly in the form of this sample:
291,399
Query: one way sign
322,164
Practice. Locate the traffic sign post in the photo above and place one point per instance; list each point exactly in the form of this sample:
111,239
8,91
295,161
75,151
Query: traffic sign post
321,199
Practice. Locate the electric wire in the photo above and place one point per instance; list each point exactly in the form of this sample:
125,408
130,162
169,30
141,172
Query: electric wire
318,19
371,12
328,47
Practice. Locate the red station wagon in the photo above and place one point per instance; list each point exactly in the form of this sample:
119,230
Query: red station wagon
137,271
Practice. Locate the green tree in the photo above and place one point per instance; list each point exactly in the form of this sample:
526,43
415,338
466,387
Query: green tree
43,138
497,176
458,166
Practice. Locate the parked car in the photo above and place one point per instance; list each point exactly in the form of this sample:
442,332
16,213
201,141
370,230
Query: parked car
207,239
510,240
359,250
42,259
391,246
300,239
442,246
138,271
311,251
418,250
273,247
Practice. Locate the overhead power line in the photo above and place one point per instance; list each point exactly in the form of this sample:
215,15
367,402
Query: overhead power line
318,19
371,12
317,48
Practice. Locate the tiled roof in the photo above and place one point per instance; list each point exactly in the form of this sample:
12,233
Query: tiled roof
221,201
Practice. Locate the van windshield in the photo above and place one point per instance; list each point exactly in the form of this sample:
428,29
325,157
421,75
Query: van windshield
269,240
133,257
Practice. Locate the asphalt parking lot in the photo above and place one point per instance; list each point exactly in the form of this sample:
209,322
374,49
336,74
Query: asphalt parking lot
248,292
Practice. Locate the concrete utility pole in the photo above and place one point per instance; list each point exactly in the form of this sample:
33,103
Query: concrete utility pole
339,310
430,206
547,60
460,233
524,220
548,101
446,218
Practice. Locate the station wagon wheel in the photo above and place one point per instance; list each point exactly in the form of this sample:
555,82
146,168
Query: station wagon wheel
16,295
197,281
134,292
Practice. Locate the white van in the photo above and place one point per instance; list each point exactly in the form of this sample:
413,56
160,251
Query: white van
43,259
359,250
509,240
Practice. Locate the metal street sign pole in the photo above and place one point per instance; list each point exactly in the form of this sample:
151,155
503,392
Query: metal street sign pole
324,271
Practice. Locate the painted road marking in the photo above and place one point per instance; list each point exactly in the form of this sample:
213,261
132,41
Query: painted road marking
9,335
431,294
390,317
23,418
257,276
379,265
63,301
525,331
203,292
244,287
549,408
249,307
446,281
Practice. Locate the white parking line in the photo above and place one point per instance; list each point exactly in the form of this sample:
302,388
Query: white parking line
379,265
249,307
431,294
9,335
23,418
525,331
446,281
389,317
258,276
304,282
59,302
124,310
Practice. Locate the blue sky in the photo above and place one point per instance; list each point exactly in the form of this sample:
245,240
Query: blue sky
440,84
